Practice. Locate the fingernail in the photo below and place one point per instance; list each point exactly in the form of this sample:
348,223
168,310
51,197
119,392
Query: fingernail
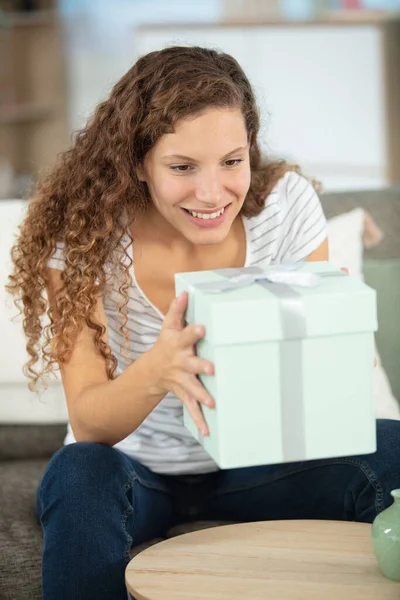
204,431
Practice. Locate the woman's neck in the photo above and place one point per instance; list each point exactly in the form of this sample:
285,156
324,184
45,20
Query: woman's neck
152,233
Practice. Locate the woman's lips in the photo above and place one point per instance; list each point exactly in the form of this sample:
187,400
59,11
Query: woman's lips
207,223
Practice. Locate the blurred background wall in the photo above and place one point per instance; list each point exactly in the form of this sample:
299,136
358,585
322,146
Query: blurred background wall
100,42
326,75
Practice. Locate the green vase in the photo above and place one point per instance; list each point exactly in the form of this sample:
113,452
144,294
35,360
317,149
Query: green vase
386,538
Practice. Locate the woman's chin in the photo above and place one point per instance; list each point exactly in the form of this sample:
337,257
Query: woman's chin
206,235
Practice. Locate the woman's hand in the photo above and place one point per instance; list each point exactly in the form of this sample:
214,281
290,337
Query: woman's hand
345,269
176,364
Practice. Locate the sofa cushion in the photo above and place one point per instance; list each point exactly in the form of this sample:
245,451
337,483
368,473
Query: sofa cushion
30,441
384,208
17,403
12,213
20,533
384,276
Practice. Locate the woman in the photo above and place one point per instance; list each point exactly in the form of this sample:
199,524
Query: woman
167,177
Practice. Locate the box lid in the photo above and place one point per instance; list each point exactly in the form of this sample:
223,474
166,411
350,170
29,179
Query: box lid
261,311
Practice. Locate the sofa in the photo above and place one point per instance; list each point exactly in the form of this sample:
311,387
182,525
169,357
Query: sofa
32,428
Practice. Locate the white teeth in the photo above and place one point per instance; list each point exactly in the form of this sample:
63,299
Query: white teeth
207,216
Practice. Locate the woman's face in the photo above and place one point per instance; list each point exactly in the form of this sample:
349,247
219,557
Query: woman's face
198,176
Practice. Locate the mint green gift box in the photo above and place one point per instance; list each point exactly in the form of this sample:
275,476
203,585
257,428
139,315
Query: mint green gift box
293,363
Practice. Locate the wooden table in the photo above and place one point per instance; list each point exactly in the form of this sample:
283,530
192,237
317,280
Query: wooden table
310,560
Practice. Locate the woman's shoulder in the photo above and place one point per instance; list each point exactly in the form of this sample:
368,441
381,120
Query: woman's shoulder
291,222
290,189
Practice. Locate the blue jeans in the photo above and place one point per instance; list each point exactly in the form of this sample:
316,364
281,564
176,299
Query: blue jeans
95,503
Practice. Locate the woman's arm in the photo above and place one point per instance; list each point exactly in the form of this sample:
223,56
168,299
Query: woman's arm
321,253
101,410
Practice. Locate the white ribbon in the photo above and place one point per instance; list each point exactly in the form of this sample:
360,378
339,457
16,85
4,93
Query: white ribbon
287,277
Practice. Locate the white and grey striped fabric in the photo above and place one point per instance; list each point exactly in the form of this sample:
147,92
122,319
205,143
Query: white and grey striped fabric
289,228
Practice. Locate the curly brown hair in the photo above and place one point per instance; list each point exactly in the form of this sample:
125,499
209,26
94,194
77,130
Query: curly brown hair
93,194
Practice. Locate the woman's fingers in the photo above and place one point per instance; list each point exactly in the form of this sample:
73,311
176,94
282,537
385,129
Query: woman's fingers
195,389
196,413
175,317
191,335
194,409
198,366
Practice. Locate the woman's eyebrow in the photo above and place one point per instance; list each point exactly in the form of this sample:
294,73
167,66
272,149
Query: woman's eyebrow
183,157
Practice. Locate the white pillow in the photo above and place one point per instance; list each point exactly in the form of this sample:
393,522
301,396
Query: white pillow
346,248
17,403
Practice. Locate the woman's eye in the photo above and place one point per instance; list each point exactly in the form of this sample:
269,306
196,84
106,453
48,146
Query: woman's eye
233,162
181,168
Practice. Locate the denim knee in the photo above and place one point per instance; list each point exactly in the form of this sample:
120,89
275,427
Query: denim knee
81,471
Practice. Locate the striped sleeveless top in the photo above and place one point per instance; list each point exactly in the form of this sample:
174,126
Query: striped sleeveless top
290,227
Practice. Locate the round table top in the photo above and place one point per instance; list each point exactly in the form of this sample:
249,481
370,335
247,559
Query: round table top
299,560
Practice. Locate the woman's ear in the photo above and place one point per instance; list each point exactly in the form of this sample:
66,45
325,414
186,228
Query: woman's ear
140,173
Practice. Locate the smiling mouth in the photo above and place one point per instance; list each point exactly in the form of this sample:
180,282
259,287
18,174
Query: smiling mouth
206,215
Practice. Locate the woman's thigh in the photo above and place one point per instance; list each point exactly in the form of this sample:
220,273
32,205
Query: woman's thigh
349,488
94,504
99,488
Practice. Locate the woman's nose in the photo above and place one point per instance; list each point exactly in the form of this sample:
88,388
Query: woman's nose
209,189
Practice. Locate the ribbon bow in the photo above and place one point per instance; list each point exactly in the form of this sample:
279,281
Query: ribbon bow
287,276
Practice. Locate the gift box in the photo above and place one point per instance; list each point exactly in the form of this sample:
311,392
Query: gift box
293,351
